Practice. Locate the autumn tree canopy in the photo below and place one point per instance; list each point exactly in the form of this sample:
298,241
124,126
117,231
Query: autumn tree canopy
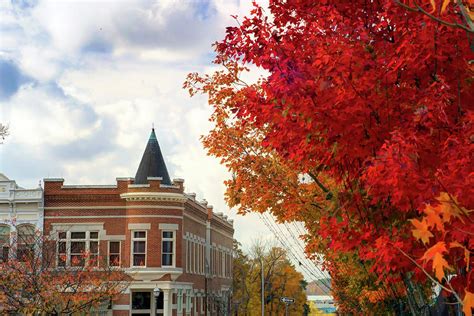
362,128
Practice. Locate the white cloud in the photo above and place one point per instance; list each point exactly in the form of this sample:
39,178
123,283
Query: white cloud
102,74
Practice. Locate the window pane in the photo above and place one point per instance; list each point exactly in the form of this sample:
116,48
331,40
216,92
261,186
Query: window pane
78,247
114,260
167,246
94,235
94,260
4,230
77,260
167,234
139,234
167,260
4,253
139,247
4,239
61,260
141,300
78,235
94,247
114,247
62,235
139,260
62,247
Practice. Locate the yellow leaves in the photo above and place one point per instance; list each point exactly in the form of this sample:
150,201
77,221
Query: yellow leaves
435,254
421,230
468,303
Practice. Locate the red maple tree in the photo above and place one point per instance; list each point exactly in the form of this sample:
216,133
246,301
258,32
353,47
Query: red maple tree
376,96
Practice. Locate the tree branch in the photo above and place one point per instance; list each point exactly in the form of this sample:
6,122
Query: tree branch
418,8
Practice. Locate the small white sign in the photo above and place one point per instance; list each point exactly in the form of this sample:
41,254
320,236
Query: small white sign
287,300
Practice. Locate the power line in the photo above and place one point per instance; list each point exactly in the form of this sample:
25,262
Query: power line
270,226
318,273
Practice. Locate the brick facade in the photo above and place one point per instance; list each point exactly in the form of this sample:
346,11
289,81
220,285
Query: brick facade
166,239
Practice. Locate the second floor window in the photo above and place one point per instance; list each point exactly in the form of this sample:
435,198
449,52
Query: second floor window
114,253
139,248
77,249
167,249
25,242
4,242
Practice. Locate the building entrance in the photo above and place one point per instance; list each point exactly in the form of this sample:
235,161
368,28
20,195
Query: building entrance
141,303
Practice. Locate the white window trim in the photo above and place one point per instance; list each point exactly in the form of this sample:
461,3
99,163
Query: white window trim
120,253
68,241
133,249
173,264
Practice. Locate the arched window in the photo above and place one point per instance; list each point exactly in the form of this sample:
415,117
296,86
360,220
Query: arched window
25,241
4,242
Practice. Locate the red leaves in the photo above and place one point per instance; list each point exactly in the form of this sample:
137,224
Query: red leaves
374,97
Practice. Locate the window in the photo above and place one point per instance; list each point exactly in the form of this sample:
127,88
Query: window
167,249
77,249
194,257
141,300
187,255
139,248
191,248
4,242
202,259
114,253
25,242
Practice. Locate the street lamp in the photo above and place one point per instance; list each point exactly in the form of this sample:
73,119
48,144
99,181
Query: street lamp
156,292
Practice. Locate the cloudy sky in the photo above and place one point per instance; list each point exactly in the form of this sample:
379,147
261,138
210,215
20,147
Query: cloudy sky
82,82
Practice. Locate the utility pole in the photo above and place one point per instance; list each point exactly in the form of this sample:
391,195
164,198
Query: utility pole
263,288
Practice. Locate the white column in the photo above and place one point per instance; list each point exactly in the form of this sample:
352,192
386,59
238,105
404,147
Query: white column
167,302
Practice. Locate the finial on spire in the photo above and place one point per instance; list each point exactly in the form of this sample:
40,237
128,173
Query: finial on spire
153,126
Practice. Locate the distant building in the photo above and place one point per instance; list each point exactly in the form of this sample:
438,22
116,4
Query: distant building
21,218
319,298
176,249
321,304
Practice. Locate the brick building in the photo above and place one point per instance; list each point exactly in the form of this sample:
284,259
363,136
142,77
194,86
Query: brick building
176,249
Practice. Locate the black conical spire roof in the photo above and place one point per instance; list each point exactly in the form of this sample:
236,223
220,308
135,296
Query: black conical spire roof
152,164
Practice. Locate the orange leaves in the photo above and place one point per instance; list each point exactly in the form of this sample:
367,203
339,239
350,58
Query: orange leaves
421,230
444,5
436,216
468,303
435,254
439,217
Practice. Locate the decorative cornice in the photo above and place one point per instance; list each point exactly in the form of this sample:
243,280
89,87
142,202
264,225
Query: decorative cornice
154,196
